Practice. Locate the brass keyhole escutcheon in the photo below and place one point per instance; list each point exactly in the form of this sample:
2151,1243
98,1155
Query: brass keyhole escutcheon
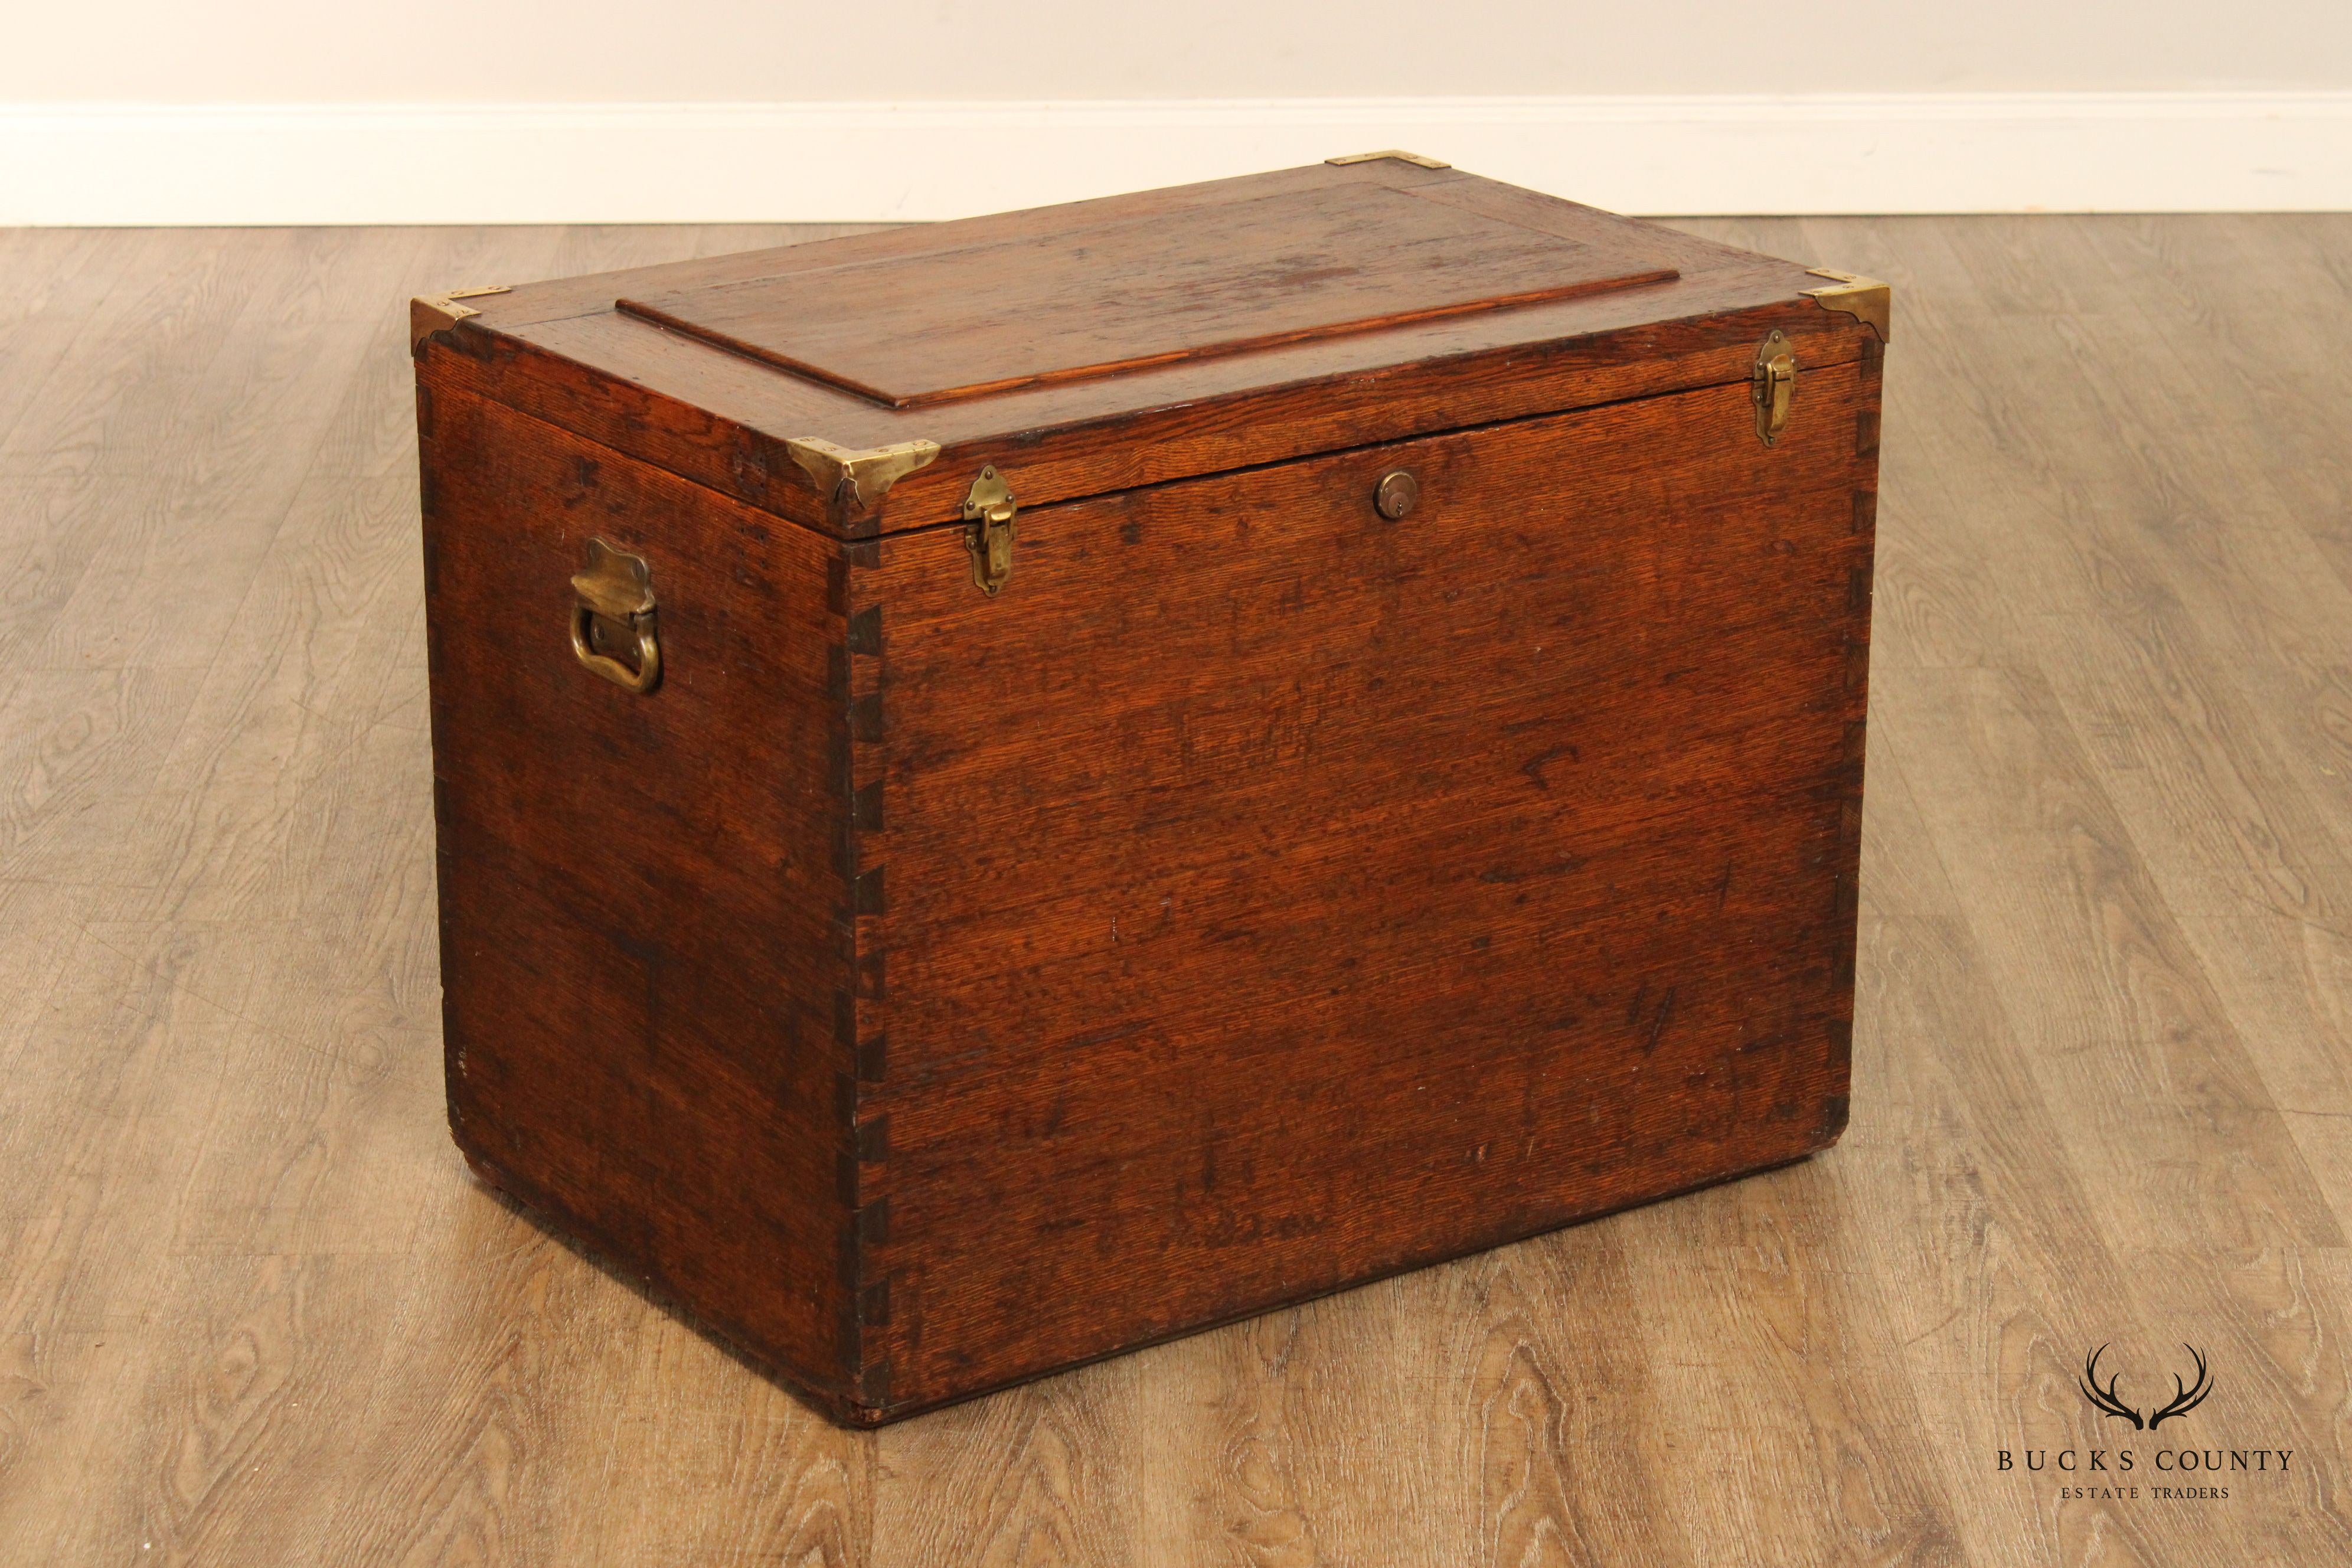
612,632
1397,493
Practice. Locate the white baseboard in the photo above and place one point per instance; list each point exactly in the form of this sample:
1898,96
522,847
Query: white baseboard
410,163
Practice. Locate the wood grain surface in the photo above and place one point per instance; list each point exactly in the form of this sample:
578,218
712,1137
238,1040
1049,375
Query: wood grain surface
563,352
1280,897
254,1309
1093,299
638,895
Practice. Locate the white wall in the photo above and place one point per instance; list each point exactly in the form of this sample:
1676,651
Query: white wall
296,109
729,51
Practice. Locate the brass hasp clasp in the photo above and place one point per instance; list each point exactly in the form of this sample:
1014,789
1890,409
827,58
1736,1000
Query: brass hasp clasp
1773,386
989,509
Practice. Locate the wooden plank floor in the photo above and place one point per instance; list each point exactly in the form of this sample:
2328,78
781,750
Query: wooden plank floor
253,1310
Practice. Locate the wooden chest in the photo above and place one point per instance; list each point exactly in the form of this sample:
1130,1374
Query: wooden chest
1015,789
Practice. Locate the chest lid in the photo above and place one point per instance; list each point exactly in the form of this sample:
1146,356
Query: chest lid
857,385
1125,293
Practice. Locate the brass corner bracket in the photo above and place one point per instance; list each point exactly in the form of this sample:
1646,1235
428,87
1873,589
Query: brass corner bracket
430,313
1400,155
1867,300
852,478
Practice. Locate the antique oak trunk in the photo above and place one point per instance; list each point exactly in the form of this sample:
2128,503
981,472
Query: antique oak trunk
1014,789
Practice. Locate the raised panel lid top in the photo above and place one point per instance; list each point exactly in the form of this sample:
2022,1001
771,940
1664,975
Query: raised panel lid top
1099,298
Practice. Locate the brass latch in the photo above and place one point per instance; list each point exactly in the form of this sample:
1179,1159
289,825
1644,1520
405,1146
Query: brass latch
1774,387
612,618
989,508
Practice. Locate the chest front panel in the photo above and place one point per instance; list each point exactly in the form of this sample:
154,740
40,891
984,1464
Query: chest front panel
1279,895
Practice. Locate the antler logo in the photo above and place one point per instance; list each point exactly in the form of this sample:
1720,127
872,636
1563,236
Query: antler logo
2110,1399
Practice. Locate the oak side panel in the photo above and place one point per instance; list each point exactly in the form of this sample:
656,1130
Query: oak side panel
638,893
1279,896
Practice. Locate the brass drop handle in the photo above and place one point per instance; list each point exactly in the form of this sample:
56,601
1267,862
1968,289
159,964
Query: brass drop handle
613,630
